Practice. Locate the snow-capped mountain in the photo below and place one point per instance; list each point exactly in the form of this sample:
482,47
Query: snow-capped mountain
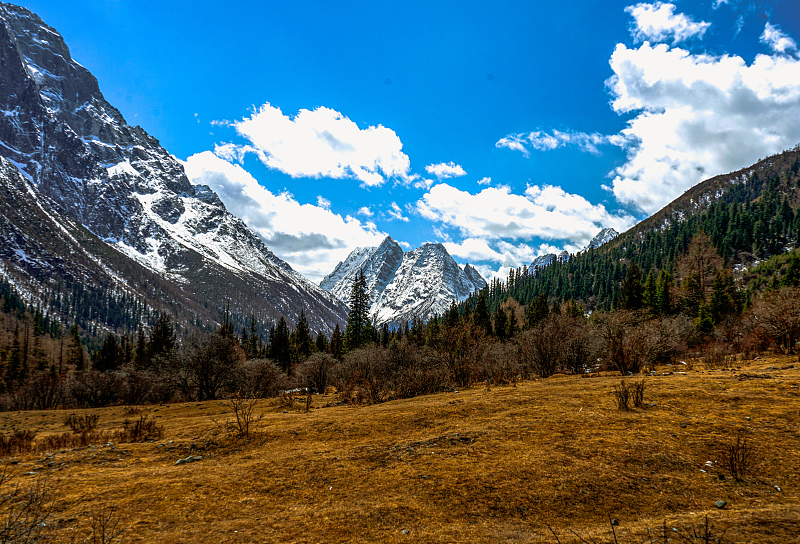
83,163
542,261
402,286
605,235
378,263
547,259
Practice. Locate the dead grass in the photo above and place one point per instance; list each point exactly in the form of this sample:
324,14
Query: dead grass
473,466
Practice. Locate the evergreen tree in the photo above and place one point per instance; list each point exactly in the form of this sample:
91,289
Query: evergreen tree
162,338
649,298
280,349
792,276
322,343
337,343
480,315
303,337
663,289
536,311
110,355
75,356
356,330
501,324
632,291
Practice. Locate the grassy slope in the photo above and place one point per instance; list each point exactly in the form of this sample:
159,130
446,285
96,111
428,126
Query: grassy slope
473,466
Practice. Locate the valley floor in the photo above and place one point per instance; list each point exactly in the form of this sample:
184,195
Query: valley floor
478,465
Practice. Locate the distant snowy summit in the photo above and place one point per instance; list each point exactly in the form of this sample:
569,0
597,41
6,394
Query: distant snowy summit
604,236
542,261
403,285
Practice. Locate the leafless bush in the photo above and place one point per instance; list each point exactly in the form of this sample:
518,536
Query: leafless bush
19,441
244,416
286,400
42,391
24,510
360,377
261,378
622,340
140,430
81,424
623,393
461,349
500,364
738,457
315,372
540,348
662,340
104,526
94,389
702,532
638,393
715,357
776,317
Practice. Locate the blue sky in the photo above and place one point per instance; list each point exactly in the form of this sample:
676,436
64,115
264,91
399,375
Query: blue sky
502,129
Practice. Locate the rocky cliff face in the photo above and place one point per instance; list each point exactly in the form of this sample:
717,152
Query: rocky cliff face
402,286
85,163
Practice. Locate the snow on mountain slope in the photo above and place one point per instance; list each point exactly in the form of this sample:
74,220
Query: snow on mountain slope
605,235
120,184
402,286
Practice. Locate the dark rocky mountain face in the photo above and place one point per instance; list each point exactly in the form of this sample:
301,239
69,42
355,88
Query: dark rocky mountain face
84,164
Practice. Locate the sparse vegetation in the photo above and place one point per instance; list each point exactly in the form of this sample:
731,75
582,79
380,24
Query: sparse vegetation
739,457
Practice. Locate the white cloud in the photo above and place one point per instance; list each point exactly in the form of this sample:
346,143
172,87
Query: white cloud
658,22
697,116
445,170
543,141
495,213
311,238
320,143
485,181
777,40
365,211
394,212
323,202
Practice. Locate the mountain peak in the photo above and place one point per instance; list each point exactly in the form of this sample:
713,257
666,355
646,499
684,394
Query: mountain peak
605,235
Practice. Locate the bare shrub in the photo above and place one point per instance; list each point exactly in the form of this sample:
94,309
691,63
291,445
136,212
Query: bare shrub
104,526
622,340
461,349
141,430
500,365
539,348
42,391
776,317
360,377
663,340
206,366
715,357
94,389
623,393
25,510
638,393
81,424
19,441
244,416
286,400
314,374
261,378
738,457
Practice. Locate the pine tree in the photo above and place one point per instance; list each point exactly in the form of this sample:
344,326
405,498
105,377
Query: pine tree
355,332
110,355
303,337
536,311
337,343
649,298
75,356
632,291
280,346
480,315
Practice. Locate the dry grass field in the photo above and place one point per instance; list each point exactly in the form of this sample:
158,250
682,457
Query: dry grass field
477,465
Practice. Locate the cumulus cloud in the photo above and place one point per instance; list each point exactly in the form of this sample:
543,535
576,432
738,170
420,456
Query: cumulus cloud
495,213
658,23
365,211
697,116
485,181
543,141
319,143
691,116
323,202
311,238
445,170
777,40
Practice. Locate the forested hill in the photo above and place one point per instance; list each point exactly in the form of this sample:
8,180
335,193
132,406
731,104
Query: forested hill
749,216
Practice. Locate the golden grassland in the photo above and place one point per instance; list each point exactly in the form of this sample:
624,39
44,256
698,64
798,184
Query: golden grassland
476,465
